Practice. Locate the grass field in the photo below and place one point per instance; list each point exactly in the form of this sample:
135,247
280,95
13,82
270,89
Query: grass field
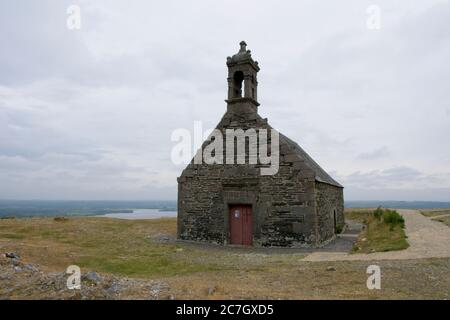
358,214
383,231
444,220
139,249
435,212
124,247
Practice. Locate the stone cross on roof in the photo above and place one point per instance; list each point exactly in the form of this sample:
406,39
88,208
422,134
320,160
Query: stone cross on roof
243,46
242,55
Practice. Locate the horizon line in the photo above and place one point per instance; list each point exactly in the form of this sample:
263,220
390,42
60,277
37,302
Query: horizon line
145,200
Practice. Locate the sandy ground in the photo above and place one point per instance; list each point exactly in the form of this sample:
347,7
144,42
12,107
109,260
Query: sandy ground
427,239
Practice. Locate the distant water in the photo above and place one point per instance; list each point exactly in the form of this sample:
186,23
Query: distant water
142,214
398,204
150,209
31,208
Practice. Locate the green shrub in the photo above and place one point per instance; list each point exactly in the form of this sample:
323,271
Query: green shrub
378,213
390,217
393,218
383,231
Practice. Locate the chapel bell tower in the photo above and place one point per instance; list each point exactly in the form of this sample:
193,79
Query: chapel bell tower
242,80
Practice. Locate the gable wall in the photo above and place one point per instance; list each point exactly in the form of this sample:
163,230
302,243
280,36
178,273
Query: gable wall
284,205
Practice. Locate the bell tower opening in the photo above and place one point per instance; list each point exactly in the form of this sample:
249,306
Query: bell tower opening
242,75
238,80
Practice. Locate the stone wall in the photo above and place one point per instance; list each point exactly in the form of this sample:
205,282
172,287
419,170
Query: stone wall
283,204
288,218
330,202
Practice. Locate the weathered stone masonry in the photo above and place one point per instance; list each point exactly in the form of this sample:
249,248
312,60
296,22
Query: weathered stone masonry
301,205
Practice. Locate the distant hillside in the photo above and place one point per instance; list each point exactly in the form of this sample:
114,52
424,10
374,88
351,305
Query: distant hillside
30,208
398,204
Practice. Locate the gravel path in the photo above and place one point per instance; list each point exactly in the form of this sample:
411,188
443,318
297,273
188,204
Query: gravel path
440,216
427,239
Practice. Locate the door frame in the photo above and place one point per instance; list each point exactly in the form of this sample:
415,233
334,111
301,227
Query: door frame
335,221
230,205
234,196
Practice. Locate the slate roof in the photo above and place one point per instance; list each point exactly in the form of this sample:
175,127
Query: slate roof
321,175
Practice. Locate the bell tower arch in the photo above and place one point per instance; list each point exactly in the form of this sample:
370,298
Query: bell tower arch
242,77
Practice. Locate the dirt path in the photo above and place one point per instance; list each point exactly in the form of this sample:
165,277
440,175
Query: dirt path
440,216
427,239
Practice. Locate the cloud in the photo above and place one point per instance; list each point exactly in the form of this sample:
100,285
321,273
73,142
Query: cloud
381,152
89,113
423,194
396,178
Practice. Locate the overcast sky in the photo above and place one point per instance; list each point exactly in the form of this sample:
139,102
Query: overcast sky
88,113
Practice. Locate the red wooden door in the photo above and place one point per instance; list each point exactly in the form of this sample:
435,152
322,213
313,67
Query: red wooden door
241,225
